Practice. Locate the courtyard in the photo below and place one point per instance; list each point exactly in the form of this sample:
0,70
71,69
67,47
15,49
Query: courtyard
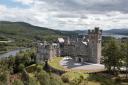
68,64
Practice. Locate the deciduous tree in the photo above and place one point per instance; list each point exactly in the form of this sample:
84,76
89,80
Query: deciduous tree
112,57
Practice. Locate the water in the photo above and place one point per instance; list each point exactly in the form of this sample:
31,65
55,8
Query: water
12,53
115,35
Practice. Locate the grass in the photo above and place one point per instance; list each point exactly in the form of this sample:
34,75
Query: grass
93,83
31,74
79,78
75,75
55,63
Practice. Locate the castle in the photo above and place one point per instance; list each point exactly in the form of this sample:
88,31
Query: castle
87,49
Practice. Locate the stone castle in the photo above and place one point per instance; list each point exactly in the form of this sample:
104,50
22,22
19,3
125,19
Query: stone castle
87,49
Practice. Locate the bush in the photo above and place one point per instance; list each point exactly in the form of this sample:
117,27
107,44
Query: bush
32,81
21,67
65,78
39,68
102,79
4,76
31,68
17,82
74,78
55,80
43,78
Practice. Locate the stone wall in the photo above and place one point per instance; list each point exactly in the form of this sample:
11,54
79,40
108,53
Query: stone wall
88,49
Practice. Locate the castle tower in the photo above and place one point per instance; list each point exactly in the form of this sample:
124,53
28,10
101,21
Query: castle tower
67,41
95,37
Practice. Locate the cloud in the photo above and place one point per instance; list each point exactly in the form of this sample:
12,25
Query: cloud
89,5
70,14
2,9
26,2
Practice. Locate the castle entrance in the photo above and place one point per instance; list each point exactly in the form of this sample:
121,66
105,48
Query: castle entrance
79,60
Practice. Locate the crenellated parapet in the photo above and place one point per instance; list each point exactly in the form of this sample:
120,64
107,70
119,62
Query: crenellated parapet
46,51
96,30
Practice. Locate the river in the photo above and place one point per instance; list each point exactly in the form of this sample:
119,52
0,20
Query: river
13,53
117,36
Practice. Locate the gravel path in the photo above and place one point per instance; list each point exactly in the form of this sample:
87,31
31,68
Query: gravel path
71,64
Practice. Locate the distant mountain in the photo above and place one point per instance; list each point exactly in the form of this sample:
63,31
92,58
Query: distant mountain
81,32
22,28
111,31
24,31
122,31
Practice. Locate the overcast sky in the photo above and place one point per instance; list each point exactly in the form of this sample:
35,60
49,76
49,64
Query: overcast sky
67,14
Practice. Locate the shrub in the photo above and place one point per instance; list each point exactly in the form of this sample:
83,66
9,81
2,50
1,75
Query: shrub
17,82
21,67
55,80
74,78
43,78
31,68
33,81
65,78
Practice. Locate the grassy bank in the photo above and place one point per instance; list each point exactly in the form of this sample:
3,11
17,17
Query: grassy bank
55,63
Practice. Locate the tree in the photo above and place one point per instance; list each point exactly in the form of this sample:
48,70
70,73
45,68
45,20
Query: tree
4,77
23,58
124,52
112,57
11,63
4,74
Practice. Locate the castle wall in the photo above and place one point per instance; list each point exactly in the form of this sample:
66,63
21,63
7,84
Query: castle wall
89,51
46,52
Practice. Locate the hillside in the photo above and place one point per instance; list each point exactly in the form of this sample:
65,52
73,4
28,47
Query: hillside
22,34
19,30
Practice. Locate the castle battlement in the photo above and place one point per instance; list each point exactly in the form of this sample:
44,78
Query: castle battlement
95,31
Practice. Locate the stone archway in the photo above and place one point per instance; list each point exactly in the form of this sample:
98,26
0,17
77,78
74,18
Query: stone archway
79,60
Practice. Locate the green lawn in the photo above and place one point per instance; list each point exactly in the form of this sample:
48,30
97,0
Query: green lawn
55,63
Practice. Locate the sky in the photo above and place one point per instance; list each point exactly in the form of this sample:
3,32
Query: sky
67,14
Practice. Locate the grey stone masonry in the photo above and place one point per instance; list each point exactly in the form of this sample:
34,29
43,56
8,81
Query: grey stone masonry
95,41
86,49
46,51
